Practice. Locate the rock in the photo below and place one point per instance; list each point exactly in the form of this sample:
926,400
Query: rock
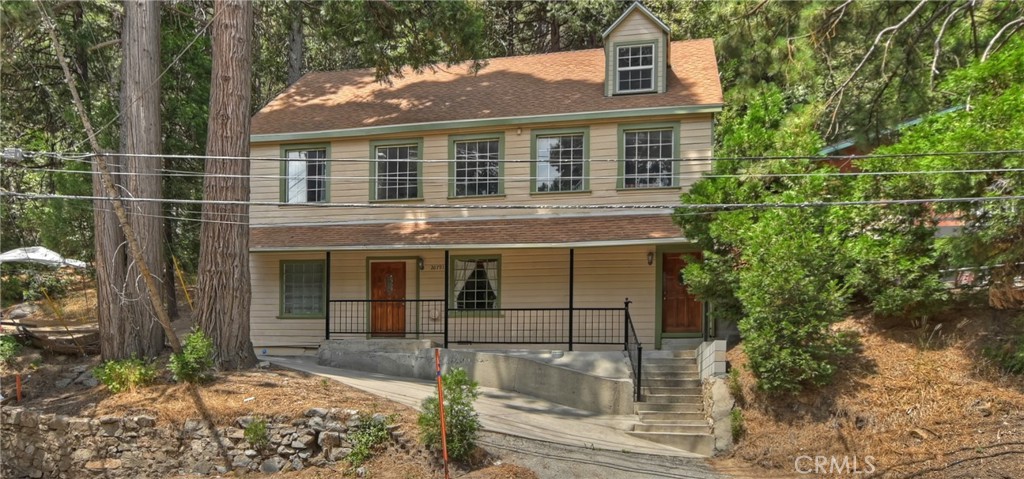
145,421
241,462
202,467
328,440
23,311
244,421
317,424
251,453
81,455
79,425
296,464
63,383
335,426
79,369
361,471
285,450
272,465
89,381
234,433
379,418
58,423
318,412
338,454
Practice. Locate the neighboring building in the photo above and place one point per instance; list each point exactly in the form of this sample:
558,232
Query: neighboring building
629,124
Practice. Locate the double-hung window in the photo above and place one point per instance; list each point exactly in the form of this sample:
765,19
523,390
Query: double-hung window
634,68
476,282
396,171
305,176
476,167
560,162
648,158
302,288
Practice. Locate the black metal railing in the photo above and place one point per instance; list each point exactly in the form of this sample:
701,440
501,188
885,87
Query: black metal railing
385,318
568,326
635,351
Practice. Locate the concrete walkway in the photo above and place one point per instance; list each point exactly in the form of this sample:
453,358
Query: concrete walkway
504,412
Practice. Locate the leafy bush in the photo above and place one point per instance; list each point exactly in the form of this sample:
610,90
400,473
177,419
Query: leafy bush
1009,354
125,374
9,347
736,424
367,437
194,364
460,417
735,386
256,433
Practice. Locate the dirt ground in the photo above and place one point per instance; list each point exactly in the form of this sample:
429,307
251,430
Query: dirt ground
921,401
63,384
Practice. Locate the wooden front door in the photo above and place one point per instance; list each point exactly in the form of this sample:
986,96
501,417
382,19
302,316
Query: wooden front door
680,310
387,290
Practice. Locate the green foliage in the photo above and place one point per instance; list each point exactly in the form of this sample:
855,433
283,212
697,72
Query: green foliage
256,433
9,347
368,437
125,374
461,420
194,364
736,424
1008,353
735,387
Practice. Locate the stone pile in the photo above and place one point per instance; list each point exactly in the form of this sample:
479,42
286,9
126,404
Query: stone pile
46,445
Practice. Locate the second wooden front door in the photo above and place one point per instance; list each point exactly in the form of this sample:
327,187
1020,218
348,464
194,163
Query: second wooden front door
387,290
681,312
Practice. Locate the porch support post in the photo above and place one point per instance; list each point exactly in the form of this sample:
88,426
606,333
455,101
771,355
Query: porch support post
327,295
446,294
572,281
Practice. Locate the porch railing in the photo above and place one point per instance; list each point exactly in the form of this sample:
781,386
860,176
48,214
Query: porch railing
635,351
416,317
402,317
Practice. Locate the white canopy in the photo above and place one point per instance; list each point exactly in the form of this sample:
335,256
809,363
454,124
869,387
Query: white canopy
40,255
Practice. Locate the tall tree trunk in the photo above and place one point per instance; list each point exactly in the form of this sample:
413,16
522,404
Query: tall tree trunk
170,280
224,290
110,264
140,133
296,38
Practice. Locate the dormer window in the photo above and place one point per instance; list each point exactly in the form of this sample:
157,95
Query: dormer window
635,68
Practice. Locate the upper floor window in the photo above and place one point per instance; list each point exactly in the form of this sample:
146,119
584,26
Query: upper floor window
635,68
648,158
305,176
560,162
396,171
476,167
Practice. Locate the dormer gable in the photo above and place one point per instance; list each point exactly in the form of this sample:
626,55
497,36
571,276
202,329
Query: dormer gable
636,53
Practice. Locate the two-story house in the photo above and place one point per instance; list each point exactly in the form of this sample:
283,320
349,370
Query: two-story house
519,205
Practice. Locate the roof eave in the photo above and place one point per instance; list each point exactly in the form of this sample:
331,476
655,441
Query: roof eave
483,122
576,244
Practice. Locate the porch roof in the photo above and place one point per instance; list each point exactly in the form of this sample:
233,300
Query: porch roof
550,231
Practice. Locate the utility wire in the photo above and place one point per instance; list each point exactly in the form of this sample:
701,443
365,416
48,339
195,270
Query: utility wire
84,157
718,206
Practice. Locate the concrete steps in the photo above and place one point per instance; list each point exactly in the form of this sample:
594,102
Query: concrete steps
672,407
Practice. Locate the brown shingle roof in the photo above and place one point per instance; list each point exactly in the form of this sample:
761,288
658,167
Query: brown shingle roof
553,83
508,232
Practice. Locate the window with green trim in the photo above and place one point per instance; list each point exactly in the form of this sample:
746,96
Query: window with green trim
476,283
396,172
635,68
477,171
648,158
560,164
305,176
302,288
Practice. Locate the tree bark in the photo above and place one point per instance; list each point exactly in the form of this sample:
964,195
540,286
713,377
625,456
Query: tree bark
296,40
110,268
224,290
140,133
170,281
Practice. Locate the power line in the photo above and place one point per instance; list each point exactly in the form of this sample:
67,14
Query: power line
718,206
84,157
519,179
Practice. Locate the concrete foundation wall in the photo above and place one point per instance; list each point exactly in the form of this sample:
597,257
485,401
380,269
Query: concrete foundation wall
711,358
608,393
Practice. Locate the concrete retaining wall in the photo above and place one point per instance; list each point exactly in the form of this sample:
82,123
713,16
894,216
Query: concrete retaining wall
711,358
509,372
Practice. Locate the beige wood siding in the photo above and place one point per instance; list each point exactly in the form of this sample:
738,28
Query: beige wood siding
350,181
635,28
534,278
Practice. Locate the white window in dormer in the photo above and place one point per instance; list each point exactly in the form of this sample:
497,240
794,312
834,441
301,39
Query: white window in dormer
635,68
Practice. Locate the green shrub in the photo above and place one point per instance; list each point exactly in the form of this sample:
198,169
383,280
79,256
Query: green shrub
735,387
460,417
256,433
194,364
9,347
736,424
1008,354
125,374
367,437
